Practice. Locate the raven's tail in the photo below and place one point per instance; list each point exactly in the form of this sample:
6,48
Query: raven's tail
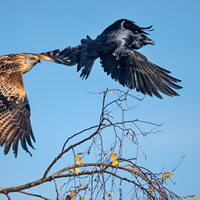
65,57
86,56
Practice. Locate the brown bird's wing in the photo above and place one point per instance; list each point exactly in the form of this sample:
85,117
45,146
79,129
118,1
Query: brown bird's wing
132,69
12,62
14,113
66,57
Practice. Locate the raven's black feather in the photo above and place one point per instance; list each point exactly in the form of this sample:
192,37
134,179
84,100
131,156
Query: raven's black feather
116,47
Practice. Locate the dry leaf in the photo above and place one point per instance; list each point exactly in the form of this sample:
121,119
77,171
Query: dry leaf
77,170
110,194
170,174
192,196
164,175
151,190
115,162
78,158
81,161
81,198
113,155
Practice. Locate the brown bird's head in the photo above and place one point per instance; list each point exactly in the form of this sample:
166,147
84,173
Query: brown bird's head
31,60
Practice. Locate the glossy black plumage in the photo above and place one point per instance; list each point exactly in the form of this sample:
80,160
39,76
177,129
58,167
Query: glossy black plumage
116,47
66,56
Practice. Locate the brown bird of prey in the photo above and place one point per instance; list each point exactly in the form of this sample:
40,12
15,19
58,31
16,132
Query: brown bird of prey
117,49
14,106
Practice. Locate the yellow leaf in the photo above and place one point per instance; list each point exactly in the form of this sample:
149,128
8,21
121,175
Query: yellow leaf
151,190
111,91
110,194
115,162
113,155
134,168
164,175
78,158
192,196
81,198
77,170
170,174
81,161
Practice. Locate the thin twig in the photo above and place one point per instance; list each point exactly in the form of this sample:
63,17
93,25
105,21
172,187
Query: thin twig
35,195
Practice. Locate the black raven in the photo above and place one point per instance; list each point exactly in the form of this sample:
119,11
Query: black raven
116,47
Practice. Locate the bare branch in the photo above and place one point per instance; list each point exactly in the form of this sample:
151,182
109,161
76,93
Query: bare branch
99,177
7,196
35,195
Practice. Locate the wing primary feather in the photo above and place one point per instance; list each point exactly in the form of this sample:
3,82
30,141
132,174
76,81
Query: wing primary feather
24,146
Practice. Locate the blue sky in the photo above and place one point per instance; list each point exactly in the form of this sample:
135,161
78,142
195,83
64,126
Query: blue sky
60,105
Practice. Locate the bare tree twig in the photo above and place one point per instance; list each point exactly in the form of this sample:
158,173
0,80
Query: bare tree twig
35,195
95,177
7,196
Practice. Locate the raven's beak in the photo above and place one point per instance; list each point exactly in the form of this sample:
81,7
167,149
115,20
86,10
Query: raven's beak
149,41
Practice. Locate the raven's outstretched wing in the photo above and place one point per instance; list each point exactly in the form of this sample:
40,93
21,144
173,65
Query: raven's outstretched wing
132,69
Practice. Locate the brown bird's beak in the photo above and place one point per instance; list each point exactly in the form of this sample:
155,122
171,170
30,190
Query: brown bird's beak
45,57
149,41
37,60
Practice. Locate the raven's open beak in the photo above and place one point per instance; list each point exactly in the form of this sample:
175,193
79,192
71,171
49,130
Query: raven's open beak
149,41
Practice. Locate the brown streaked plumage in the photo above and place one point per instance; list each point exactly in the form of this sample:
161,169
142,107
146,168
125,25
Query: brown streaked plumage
15,123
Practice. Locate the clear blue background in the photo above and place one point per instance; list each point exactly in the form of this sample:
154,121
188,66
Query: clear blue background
60,104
